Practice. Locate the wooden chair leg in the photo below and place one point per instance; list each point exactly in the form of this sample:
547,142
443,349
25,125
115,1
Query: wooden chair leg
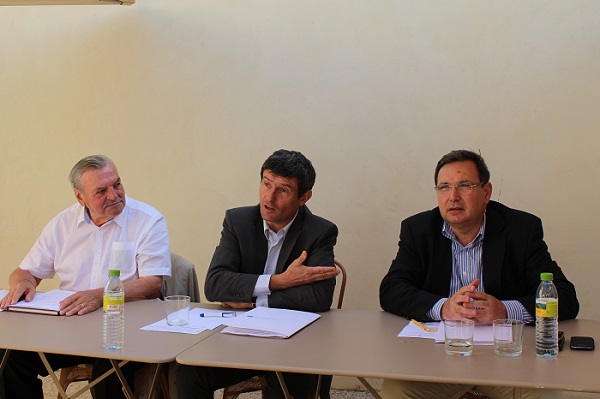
256,383
80,372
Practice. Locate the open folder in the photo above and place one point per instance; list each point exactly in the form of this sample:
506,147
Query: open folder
269,322
42,303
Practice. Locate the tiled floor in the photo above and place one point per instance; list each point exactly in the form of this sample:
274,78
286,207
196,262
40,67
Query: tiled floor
50,392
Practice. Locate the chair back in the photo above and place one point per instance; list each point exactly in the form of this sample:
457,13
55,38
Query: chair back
183,281
342,288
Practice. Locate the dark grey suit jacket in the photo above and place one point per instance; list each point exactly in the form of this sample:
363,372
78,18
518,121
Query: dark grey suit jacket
240,258
514,255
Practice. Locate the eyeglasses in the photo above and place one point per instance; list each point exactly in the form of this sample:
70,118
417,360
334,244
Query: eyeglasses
461,188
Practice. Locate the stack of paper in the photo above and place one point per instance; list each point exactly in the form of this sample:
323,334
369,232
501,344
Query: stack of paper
2,295
413,330
197,324
483,335
270,322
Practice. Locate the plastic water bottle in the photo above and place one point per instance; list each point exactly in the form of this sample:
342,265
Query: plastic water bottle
113,328
546,318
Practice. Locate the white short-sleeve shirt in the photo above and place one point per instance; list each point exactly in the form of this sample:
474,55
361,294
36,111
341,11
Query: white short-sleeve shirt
81,253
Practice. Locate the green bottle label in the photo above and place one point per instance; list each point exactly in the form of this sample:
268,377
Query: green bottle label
546,307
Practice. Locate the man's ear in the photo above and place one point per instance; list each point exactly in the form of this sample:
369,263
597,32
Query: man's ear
305,197
488,192
79,196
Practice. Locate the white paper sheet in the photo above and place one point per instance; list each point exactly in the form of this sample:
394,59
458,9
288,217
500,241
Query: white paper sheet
483,335
411,330
196,325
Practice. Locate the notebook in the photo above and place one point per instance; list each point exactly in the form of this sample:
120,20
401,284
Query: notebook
42,303
269,322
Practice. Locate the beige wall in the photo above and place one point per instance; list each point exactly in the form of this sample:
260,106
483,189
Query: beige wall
189,97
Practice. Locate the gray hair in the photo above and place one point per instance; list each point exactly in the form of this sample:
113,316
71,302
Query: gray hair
90,162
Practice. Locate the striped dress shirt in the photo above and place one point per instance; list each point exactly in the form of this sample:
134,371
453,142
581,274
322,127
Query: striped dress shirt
466,267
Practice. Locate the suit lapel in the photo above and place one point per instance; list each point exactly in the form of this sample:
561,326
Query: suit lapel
259,243
290,239
494,243
442,257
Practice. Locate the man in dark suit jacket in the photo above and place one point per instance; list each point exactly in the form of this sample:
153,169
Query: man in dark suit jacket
277,254
514,255
240,259
469,258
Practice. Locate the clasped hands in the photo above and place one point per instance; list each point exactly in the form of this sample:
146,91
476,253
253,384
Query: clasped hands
470,304
296,274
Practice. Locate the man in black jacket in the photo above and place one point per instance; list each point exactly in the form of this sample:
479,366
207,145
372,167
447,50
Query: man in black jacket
468,258
275,254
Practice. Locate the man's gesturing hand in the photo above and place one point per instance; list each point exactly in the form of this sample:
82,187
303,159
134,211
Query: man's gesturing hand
299,274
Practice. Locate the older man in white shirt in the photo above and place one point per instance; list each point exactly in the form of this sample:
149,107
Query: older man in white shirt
80,245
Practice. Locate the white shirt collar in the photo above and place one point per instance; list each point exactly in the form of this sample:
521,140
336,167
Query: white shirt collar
84,215
281,232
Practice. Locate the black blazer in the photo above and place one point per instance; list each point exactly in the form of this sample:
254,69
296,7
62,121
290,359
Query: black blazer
514,255
240,259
